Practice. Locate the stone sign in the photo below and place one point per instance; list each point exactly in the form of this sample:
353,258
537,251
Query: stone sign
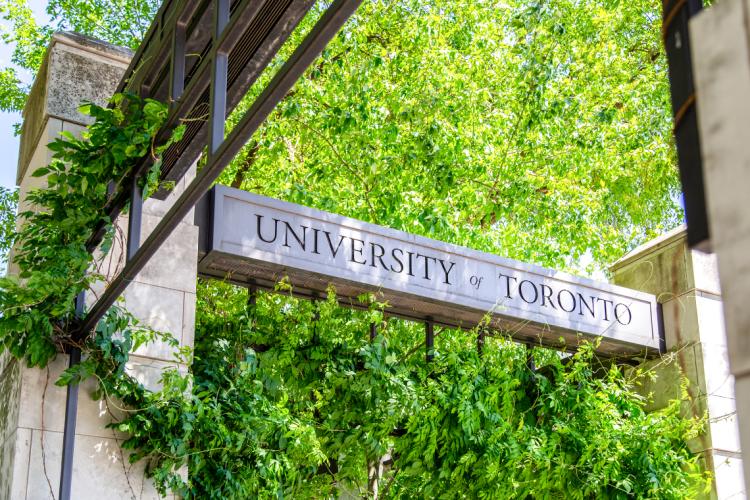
248,238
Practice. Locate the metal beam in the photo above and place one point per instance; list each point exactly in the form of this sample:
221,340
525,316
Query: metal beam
324,30
676,14
135,218
251,36
71,415
429,328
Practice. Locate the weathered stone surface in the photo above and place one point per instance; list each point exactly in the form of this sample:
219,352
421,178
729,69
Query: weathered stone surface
76,69
10,390
14,467
149,371
680,321
687,285
43,403
159,208
652,385
41,156
661,267
188,319
101,469
161,309
174,264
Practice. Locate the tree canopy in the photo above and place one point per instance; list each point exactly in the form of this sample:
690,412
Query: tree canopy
535,130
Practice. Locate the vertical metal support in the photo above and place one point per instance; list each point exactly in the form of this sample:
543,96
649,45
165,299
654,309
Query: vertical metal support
177,71
315,298
373,331
660,326
675,30
134,220
71,414
530,364
429,328
480,341
219,69
252,296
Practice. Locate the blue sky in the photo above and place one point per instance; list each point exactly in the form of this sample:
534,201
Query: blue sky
8,141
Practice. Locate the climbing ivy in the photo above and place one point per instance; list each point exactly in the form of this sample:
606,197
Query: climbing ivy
291,398
492,125
50,251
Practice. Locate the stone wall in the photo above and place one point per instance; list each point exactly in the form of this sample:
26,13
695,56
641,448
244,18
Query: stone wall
686,283
78,69
720,41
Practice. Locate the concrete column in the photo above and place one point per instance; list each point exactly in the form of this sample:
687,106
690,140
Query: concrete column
720,40
78,69
686,284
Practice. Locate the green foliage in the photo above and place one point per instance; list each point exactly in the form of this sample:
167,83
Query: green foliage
291,399
50,248
539,131
8,206
121,22
29,38
491,428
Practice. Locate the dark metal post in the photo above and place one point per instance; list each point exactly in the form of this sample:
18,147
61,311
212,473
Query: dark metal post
71,414
429,328
373,331
134,220
178,63
480,341
676,14
218,111
530,364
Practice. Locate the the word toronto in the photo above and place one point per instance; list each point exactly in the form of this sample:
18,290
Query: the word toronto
564,300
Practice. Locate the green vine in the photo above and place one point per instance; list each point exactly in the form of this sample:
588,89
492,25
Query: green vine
38,305
291,398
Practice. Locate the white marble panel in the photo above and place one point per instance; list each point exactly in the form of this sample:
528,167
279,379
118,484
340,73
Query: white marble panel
718,378
174,265
728,477
100,469
149,371
161,309
92,416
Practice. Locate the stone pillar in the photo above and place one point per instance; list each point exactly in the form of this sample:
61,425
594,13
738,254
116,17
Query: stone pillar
720,41
686,284
78,69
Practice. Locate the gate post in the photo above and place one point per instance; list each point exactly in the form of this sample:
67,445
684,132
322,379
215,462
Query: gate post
32,408
686,284
720,38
